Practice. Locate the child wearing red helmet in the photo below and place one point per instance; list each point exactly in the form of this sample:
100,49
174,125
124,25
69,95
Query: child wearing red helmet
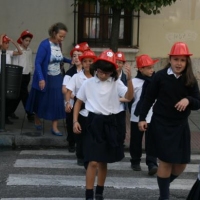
76,68
176,92
144,76
121,62
104,137
24,60
73,86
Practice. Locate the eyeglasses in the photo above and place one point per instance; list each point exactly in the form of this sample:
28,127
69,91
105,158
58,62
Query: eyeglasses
102,72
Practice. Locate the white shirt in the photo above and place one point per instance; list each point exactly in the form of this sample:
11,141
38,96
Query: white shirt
102,97
9,55
24,60
74,85
137,84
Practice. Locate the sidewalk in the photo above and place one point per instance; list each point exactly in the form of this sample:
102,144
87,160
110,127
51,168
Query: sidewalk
23,133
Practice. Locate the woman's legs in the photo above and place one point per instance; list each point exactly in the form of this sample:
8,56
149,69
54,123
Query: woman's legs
167,172
55,126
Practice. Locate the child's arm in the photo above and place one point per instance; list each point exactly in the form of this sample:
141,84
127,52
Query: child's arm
76,125
129,93
19,51
124,100
68,106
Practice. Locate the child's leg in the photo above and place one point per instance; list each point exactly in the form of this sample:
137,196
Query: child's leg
102,173
163,179
177,169
90,179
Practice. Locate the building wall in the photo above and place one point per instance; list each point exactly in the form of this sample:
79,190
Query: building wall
179,22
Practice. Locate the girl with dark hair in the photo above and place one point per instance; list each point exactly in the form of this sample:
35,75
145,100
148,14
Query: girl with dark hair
46,98
104,137
176,92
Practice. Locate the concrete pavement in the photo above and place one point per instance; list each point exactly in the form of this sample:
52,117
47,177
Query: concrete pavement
23,133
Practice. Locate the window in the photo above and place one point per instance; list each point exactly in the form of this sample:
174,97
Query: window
94,25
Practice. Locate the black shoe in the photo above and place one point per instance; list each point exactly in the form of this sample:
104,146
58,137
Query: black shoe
13,116
7,121
80,162
152,170
99,197
136,167
31,117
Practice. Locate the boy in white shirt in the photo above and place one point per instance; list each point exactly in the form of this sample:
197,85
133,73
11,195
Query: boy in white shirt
24,60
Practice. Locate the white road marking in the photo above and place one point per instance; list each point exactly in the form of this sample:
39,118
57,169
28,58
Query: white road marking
79,181
66,164
66,153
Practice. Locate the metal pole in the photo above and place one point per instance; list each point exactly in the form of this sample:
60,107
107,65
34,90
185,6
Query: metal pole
3,90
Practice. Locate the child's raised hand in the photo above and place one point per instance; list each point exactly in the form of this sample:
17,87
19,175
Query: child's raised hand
127,71
182,104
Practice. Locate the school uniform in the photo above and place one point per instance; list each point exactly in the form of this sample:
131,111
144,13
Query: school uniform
74,85
170,133
104,137
137,135
69,116
24,60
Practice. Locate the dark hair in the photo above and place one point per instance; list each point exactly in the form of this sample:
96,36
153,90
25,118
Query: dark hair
55,28
106,67
188,75
26,36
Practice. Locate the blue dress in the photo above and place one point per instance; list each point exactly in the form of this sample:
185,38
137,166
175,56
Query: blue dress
49,102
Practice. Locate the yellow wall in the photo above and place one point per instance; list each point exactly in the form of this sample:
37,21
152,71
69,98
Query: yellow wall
179,22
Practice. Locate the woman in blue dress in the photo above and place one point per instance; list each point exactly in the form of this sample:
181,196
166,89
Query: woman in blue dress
46,98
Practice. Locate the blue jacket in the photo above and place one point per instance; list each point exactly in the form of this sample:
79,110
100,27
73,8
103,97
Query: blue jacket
41,64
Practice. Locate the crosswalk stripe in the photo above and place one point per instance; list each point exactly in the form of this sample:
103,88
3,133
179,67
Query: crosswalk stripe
79,181
66,153
52,198
62,164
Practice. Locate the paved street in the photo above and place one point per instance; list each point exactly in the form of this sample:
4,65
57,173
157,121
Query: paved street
52,174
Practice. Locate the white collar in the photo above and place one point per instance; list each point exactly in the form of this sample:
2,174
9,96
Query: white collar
170,72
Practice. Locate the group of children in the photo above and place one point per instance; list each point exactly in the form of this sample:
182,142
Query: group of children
97,91
161,106
21,56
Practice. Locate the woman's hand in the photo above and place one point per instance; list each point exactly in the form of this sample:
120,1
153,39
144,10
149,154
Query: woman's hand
182,104
42,84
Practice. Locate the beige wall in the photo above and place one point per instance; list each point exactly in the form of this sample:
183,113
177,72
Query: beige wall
179,22
37,16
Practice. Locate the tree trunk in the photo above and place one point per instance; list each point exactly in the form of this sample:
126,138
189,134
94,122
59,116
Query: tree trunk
115,29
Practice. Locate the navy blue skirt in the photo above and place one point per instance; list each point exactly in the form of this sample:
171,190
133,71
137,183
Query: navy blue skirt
170,144
48,105
104,139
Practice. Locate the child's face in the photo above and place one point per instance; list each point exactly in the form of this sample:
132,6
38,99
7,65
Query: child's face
26,42
120,65
5,45
86,62
178,64
147,71
75,59
103,76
